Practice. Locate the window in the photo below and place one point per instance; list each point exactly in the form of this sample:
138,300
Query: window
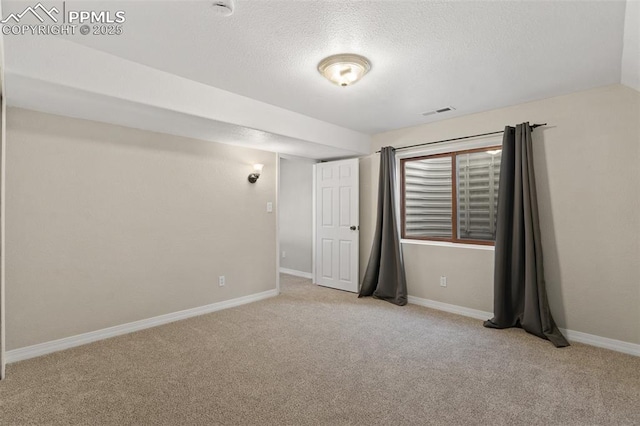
452,196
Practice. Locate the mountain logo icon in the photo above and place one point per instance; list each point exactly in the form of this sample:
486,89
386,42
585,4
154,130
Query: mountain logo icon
38,11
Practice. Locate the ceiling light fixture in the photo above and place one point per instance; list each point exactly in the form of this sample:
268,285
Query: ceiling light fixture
223,7
344,69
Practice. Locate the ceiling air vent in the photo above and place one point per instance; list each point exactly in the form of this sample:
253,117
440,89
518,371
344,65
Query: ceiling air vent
439,111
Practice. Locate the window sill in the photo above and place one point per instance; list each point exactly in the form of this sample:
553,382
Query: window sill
447,244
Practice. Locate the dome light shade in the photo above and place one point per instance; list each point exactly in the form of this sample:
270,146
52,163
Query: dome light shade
344,69
223,7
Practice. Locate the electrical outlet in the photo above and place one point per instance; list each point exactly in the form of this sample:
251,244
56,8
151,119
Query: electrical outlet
221,281
269,207
443,281
284,254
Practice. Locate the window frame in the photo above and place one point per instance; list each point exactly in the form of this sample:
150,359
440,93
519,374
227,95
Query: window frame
454,196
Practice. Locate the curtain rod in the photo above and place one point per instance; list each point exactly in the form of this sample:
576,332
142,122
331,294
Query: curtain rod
533,126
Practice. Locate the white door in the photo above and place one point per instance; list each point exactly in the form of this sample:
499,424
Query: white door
337,214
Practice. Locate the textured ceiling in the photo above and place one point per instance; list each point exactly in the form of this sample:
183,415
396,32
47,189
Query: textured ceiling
425,55
251,79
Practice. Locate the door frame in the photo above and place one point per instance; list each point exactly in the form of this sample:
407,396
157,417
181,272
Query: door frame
278,156
314,278
313,162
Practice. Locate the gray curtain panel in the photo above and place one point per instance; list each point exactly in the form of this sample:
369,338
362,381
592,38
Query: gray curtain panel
385,278
520,296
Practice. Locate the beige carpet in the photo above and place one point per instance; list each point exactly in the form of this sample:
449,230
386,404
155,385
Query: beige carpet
315,356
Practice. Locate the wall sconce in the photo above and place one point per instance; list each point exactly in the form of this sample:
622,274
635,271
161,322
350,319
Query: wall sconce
257,169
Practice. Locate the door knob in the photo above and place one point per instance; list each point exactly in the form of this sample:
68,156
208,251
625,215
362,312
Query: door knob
353,227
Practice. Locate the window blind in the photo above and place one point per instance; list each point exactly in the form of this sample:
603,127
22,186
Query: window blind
428,196
478,176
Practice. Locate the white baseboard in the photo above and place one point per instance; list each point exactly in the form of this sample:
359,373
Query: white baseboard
296,273
572,336
93,336
602,342
454,309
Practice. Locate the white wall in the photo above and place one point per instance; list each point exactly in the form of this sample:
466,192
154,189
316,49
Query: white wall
588,182
107,225
296,214
630,68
